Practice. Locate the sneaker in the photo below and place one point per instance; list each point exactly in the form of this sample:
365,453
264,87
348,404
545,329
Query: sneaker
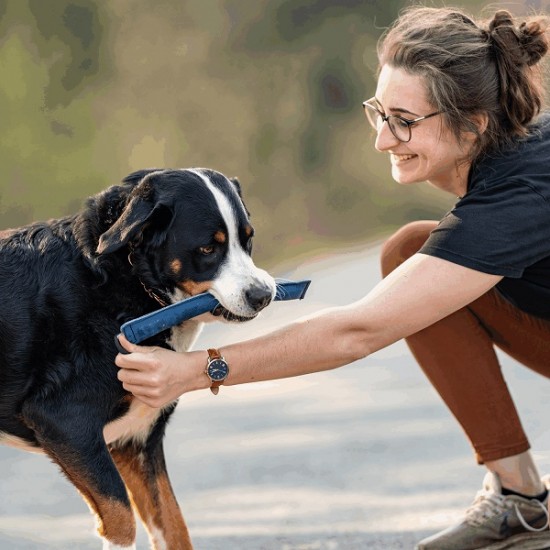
496,522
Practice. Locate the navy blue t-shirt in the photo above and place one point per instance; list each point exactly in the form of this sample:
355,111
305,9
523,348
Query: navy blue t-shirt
502,224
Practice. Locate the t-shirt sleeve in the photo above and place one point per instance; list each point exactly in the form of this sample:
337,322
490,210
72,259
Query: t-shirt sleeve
499,230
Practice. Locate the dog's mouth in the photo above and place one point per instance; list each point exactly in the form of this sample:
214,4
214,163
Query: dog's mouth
220,311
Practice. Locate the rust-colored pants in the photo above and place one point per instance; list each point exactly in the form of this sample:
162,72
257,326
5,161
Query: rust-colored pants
458,356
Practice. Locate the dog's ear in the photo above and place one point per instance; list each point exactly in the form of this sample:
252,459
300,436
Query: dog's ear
139,216
237,185
135,177
143,210
126,228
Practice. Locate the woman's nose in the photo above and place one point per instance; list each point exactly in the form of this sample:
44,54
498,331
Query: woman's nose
384,138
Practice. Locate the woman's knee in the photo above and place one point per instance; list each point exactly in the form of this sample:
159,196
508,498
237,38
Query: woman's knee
404,243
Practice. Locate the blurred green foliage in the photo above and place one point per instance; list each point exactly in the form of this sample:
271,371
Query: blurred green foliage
266,90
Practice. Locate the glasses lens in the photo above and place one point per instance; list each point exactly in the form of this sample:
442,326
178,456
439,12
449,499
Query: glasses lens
373,116
399,128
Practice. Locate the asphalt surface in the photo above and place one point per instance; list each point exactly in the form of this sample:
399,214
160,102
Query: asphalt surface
364,457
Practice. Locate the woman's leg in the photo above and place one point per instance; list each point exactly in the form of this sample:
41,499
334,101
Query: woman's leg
458,356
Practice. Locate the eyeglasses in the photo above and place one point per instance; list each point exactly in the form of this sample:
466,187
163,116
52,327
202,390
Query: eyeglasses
400,127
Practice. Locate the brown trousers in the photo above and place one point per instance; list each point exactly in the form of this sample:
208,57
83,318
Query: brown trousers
458,356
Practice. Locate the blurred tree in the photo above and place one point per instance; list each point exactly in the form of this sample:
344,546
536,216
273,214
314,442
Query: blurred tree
49,61
76,26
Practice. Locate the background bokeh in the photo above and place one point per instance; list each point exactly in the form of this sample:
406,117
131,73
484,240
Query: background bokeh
266,90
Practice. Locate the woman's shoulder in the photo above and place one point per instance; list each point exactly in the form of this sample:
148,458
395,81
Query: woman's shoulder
539,130
542,120
526,161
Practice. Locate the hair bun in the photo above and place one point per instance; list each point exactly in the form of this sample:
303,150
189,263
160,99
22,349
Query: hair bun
523,45
534,40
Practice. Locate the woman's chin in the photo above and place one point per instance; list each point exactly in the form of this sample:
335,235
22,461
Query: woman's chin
401,178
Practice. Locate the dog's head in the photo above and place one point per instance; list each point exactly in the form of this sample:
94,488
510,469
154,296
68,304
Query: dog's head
187,232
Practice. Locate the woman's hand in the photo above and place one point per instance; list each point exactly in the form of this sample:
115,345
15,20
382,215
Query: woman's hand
158,376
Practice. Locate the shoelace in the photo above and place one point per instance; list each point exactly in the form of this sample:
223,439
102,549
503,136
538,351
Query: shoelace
488,504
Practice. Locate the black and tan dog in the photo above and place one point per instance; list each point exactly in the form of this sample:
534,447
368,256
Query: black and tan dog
67,285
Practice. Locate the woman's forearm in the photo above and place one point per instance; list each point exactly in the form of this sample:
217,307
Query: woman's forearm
321,342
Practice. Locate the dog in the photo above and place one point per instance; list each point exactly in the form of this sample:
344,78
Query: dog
67,285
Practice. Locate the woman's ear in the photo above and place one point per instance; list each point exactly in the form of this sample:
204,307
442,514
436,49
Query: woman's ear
481,121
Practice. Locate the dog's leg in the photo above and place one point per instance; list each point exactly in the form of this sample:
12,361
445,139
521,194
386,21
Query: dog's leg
143,469
83,456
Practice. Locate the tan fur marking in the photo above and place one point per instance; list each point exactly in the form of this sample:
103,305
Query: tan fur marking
116,521
178,536
220,237
248,230
175,266
131,470
193,288
154,501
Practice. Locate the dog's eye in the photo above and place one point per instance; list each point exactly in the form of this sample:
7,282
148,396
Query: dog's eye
206,250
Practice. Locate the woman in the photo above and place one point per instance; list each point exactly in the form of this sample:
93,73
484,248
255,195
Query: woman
458,105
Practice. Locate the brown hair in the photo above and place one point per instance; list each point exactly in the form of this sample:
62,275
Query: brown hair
473,68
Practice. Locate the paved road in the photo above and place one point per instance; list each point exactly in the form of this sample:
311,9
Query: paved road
365,457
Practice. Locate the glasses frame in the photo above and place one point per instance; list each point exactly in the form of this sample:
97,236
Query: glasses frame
368,104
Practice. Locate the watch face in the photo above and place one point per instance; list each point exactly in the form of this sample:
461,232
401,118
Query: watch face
217,369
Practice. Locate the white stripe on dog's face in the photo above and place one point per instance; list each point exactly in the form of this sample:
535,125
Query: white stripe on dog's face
237,274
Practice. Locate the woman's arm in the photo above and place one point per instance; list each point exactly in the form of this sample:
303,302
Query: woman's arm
420,292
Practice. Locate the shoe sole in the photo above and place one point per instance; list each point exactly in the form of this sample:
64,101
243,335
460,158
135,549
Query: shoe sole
525,541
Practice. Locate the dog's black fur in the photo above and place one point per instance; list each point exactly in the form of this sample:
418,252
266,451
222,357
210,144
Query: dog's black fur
66,287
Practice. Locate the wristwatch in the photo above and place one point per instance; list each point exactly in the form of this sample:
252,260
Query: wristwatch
217,370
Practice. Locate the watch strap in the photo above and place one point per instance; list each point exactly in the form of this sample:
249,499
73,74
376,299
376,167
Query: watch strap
214,354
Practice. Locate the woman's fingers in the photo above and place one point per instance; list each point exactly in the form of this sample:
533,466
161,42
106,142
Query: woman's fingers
132,348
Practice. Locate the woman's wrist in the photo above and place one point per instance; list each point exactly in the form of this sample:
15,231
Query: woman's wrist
196,367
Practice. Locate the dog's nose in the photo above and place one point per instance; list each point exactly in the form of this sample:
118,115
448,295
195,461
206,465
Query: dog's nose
258,297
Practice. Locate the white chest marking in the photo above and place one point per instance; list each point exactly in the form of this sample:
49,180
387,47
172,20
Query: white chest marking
183,336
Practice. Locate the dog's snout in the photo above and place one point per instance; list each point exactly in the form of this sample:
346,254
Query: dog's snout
258,297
